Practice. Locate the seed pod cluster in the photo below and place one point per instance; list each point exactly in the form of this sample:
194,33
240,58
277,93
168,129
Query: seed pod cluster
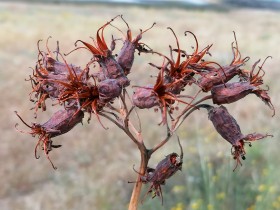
177,73
94,86
73,88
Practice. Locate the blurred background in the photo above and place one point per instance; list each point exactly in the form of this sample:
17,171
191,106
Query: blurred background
94,165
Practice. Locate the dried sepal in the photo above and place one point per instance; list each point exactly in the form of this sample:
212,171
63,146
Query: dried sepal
99,48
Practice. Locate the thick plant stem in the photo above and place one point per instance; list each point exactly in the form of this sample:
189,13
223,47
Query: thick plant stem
135,196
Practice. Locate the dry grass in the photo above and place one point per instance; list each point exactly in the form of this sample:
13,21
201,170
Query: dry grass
94,165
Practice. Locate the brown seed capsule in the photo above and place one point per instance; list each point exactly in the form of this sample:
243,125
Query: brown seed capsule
219,76
112,70
61,122
145,97
228,128
59,68
225,124
108,90
164,170
232,92
167,167
126,56
222,76
48,77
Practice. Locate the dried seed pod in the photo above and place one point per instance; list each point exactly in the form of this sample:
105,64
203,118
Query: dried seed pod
225,124
167,167
228,128
158,94
126,56
42,89
56,67
108,90
78,93
223,75
164,170
112,70
217,77
61,122
145,97
48,76
47,65
231,92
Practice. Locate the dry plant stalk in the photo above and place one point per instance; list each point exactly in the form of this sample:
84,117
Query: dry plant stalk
83,89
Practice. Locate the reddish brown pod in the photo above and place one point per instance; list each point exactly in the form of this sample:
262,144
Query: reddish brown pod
126,56
80,95
159,94
49,66
108,90
223,74
235,91
60,122
228,128
164,170
109,67
145,97
231,92
217,77
46,74
178,74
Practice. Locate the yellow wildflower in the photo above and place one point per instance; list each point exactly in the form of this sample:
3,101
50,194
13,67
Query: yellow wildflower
259,198
251,207
221,196
210,207
262,188
272,189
